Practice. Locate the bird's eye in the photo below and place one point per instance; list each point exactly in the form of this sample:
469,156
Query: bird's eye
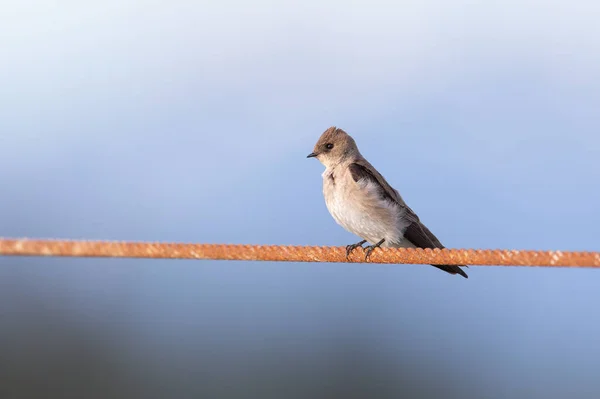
329,146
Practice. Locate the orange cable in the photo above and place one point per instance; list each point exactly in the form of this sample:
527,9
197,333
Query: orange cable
117,249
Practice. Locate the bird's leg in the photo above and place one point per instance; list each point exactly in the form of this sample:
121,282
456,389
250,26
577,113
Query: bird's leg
370,248
352,247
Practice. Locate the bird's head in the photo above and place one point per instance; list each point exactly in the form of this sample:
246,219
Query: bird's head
333,147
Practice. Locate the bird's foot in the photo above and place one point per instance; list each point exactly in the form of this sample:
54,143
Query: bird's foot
371,248
352,247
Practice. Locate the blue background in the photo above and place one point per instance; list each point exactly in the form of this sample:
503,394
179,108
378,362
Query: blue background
190,121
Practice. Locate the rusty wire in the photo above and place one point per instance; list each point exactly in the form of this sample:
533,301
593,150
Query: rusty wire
116,249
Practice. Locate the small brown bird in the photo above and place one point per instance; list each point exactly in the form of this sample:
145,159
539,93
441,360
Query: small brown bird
362,201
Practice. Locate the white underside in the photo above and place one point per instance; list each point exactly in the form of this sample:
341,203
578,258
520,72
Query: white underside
358,208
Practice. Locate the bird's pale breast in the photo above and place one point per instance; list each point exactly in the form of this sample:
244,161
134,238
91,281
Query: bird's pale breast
358,207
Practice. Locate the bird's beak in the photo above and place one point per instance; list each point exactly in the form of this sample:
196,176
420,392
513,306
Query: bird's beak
312,155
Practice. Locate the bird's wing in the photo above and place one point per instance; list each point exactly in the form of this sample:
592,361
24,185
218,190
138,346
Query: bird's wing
362,169
416,232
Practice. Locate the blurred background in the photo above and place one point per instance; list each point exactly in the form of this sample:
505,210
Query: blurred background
191,120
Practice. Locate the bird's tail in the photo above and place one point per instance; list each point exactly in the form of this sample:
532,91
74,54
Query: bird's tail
452,269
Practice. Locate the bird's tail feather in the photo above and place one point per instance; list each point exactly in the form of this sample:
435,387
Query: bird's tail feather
452,269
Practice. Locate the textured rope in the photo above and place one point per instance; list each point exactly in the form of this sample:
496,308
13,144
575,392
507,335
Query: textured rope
114,249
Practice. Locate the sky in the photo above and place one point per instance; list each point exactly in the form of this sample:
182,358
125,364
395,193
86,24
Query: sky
190,121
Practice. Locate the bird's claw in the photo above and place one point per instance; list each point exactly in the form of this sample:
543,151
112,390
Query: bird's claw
369,249
352,247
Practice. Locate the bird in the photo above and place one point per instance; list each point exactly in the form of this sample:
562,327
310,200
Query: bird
360,199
